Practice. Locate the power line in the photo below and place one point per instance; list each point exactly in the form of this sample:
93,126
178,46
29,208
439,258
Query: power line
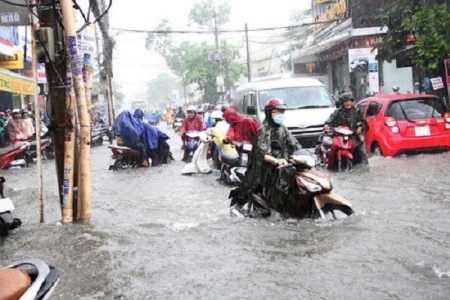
221,31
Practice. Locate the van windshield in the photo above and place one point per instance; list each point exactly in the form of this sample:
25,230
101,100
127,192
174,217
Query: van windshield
298,97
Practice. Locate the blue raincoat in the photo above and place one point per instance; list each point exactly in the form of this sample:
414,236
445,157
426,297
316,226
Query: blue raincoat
149,134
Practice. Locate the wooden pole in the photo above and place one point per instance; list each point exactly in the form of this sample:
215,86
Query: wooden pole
37,119
69,150
84,157
249,74
110,101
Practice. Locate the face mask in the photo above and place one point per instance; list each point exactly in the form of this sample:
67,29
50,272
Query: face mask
279,119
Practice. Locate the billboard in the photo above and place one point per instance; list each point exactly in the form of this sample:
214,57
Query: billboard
363,60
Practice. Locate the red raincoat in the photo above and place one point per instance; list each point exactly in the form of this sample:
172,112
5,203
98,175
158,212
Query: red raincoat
241,128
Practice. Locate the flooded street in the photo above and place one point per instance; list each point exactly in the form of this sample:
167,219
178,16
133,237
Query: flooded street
156,234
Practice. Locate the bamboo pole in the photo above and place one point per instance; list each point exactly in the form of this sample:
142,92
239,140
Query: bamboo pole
110,101
84,157
69,150
37,120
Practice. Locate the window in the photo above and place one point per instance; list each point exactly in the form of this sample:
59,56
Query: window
362,106
299,97
373,110
416,109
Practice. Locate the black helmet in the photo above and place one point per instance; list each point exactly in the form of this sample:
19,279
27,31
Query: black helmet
211,107
345,96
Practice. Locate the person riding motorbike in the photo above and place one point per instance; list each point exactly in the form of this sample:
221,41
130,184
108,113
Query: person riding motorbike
180,113
261,176
207,119
348,115
16,128
127,127
153,138
241,128
191,123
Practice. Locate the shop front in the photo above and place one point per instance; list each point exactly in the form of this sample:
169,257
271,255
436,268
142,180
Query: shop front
12,87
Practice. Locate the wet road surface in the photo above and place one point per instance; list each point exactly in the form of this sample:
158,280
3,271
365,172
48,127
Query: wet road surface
156,234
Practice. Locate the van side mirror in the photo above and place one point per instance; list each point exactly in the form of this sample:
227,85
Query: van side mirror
251,110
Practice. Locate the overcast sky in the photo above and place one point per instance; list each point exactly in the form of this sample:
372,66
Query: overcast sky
134,66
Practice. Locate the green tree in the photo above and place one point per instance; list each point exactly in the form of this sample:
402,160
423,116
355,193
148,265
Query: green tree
209,15
428,23
298,33
192,58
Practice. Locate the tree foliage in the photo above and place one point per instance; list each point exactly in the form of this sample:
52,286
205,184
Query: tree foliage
203,14
298,33
190,60
428,23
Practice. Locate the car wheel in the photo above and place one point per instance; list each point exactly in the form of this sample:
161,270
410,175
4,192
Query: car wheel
376,150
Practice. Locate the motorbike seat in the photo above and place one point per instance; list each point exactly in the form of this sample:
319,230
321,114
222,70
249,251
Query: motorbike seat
13,283
230,159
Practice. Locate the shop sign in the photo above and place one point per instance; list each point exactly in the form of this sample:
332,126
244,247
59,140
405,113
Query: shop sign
437,83
12,14
363,60
8,38
16,85
336,11
42,76
15,63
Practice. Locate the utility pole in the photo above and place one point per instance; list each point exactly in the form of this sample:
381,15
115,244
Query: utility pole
84,158
249,71
216,33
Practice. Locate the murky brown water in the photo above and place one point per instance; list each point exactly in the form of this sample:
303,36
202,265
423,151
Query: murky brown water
156,234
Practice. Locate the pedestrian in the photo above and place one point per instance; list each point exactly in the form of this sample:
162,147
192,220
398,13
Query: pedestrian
396,89
27,123
8,114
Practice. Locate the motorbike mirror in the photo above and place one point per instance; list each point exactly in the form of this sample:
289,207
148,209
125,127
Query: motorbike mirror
276,145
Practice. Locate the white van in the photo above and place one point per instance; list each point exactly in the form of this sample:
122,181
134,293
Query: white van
309,104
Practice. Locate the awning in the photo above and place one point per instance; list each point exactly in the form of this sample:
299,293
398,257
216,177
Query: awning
15,83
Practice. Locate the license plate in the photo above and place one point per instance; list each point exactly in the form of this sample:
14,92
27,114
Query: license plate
247,147
422,130
112,161
6,205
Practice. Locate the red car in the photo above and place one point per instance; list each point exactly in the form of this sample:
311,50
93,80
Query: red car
400,123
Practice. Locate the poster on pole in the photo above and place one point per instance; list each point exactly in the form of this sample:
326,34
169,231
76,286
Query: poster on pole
363,60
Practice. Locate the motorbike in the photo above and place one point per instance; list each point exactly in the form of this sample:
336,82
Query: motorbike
340,154
15,156
198,146
191,144
177,124
29,279
234,165
124,158
100,133
46,148
7,222
314,196
153,119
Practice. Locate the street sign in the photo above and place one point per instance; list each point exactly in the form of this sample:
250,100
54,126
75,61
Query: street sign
86,41
11,14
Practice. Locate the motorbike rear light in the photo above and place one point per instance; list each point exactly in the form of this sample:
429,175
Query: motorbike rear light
447,126
447,117
390,121
394,129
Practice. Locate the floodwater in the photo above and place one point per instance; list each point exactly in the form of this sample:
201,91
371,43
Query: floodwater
156,234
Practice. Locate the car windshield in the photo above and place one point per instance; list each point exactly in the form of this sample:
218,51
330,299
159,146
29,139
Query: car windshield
410,109
299,97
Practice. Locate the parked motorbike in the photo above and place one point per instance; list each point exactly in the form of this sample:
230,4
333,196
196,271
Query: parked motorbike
234,165
15,156
31,279
124,158
7,222
199,158
46,148
315,198
177,124
101,133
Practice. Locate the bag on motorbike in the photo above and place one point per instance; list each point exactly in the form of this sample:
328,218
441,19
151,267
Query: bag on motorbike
281,189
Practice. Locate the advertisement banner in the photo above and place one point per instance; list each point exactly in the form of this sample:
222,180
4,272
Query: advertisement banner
8,38
363,60
13,12
42,76
15,63
15,84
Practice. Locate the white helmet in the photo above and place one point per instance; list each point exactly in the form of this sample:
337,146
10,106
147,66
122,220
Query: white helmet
192,108
217,114
395,88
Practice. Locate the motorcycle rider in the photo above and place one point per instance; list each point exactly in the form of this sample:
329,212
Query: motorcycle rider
207,117
180,113
260,177
241,128
154,139
27,123
193,122
16,128
348,115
